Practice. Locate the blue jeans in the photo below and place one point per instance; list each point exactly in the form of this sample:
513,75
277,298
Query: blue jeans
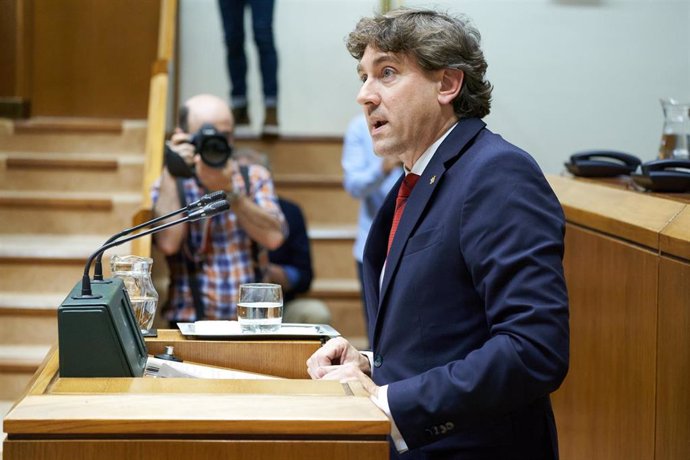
232,12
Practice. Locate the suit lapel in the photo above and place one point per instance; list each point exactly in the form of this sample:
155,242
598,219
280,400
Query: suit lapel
377,244
420,198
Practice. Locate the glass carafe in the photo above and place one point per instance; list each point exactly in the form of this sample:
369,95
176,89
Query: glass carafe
676,135
135,272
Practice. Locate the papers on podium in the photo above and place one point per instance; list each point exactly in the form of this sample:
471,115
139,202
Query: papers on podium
161,368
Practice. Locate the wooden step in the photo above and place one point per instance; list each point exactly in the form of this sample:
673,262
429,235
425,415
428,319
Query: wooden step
301,180
44,264
40,276
323,206
28,318
336,288
30,304
66,212
300,155
344,301
308,172
63,125
321,196
331,248
27,330
17,366
18,363
73,135
21,358
67,172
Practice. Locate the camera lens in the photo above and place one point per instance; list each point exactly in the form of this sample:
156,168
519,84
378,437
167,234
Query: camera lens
215,152
212,146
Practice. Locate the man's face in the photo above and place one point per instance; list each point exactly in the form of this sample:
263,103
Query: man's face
401,104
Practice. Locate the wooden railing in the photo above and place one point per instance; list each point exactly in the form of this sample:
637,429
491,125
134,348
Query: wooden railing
158,107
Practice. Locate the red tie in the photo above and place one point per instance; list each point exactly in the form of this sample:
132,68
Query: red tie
403,193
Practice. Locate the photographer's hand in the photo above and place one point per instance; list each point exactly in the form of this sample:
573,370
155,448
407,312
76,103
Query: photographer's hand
170,240
179,143
262,225
225,178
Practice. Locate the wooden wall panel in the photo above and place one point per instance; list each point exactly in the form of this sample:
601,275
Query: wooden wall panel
673,383
605,408
167,449
92,58
8,31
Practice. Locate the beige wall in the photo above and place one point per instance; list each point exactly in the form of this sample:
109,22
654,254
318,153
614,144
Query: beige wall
568,74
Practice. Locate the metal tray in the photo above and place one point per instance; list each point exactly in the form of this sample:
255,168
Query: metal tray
231,330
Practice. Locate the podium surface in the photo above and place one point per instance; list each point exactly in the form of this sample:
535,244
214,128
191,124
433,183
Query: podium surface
163,418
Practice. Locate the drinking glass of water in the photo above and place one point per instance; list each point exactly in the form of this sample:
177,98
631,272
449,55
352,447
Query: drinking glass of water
260,307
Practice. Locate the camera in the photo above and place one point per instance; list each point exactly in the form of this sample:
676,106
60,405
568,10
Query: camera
209,143
212,145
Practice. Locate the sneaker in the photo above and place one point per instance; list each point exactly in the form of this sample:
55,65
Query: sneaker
270,130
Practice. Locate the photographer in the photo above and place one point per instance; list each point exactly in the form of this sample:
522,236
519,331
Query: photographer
209,259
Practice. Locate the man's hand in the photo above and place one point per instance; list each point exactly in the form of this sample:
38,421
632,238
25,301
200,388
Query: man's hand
179,143
337,351
217,178
339,360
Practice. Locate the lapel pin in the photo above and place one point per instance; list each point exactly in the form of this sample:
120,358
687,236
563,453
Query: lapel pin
432,180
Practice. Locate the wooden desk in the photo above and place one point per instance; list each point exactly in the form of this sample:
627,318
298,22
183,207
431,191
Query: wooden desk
627,265
152,419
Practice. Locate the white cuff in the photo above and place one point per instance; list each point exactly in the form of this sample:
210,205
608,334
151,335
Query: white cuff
381,401
370,356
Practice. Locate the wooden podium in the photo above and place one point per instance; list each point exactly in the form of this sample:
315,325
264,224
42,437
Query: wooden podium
163,418
627,265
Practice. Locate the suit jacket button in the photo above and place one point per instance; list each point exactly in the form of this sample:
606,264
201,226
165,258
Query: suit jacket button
378,360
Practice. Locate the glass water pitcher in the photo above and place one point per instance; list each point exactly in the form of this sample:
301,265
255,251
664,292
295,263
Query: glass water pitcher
135,272
676,135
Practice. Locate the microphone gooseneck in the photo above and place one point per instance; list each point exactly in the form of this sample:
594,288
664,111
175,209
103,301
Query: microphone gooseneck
208,210
203,201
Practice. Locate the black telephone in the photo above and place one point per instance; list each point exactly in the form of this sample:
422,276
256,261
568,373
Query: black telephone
602,163
664,176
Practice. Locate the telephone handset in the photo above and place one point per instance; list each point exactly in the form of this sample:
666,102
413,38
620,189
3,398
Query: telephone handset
602,163
669,175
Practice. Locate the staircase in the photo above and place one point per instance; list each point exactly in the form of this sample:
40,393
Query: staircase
65,187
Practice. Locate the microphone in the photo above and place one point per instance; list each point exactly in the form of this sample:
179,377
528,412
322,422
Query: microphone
203,201
98,335
209,210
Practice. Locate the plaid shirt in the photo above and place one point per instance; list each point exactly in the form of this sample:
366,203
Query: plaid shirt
222,250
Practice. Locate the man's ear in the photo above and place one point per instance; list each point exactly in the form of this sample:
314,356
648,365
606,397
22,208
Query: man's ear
451,84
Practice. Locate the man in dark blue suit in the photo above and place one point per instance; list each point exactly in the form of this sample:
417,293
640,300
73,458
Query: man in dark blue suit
467,303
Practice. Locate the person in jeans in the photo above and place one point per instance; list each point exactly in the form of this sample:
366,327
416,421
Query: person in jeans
232,14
